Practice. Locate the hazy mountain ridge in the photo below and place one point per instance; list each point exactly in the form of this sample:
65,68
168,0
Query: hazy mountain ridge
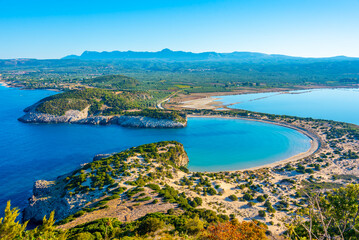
169,55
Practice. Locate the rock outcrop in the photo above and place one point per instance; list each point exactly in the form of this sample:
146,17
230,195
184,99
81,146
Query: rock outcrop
47,197
181,159
70,116
51,196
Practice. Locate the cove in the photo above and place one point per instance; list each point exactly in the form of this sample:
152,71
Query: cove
330,104
44,151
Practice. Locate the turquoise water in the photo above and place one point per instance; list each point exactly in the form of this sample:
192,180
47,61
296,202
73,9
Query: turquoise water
44,151
331,104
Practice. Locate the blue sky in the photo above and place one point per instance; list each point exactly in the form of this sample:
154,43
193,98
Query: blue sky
54,28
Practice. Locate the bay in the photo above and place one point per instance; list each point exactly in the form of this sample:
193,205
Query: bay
44,151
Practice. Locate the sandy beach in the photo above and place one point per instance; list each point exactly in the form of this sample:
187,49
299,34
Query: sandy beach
203,103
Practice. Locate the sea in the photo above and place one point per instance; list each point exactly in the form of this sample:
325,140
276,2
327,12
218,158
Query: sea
29,152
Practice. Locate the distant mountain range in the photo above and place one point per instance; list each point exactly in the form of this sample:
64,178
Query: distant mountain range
169,55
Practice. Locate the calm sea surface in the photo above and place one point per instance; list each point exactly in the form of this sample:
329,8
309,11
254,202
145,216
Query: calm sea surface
331,104
44,151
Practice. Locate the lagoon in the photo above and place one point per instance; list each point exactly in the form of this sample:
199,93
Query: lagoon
339,104
44,151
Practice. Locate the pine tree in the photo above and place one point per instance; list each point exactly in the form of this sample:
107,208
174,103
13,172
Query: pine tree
10,228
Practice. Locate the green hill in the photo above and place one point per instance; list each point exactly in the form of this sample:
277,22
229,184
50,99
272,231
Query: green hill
107,103
113,82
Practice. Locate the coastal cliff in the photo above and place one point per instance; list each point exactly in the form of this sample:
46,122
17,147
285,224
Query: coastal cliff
81,117
47,197
107,175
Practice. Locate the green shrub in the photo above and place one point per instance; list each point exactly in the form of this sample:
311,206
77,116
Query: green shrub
271,209
153,186
267,204
79,214
261,213
211,191
193,226
309,170
247,197
149,225
233,197
134,191
261,198
198,201
144,199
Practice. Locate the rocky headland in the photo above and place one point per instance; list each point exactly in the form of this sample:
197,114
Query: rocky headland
88,185
82,117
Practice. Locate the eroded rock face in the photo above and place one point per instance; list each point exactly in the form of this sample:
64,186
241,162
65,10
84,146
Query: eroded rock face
182,159
47,197
70,116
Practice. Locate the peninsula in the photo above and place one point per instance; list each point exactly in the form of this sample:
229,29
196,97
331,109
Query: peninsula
98,106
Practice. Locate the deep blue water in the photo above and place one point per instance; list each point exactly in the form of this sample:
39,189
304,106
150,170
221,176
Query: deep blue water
44,151
331,104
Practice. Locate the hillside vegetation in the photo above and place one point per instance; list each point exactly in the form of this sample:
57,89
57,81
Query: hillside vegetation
112,82
107,103
188,76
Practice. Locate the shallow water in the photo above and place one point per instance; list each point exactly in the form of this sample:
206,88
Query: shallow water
331,104
44,151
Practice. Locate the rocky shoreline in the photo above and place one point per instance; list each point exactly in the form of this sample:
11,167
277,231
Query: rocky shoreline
81,117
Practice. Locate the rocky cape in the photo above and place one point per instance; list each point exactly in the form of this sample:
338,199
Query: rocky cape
81,117
56,195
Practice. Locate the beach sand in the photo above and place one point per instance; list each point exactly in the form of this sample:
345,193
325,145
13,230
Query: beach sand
203,103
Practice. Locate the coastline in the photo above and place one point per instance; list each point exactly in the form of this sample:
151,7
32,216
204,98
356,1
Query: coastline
4,84
315,143
7,85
